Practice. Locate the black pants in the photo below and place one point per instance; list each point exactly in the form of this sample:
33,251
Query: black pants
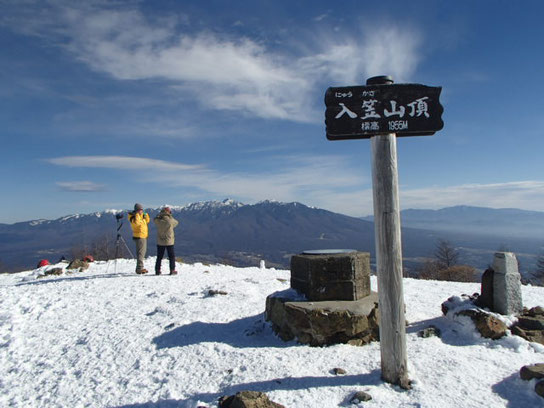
171,257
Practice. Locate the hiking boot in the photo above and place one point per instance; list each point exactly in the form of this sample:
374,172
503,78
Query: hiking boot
173,272
157,272
141,271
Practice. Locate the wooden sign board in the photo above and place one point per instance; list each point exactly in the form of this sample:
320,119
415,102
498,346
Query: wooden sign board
360,112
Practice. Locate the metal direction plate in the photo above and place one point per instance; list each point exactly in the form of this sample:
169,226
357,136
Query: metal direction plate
360,112
328,251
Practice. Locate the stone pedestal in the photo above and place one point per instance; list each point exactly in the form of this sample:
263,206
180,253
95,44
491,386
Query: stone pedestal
331,276
324,323
329,302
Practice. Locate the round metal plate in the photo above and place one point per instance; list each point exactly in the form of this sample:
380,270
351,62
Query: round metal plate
328,251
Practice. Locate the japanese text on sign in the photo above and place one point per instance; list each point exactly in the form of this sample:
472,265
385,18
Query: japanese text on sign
418,107
405,109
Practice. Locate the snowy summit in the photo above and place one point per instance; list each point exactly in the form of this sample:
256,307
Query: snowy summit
107,337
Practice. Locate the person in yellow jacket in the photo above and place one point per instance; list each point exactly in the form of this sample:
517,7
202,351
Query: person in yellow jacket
138,221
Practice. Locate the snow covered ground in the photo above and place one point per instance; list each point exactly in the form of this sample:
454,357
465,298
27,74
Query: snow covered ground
110,338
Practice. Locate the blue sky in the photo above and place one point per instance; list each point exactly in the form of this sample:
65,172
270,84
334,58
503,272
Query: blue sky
108,103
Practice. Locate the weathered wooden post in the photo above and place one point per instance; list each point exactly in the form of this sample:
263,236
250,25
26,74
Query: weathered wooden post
382,111
385,187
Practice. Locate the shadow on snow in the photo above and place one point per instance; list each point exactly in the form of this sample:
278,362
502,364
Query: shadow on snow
517,392
287,384
73,277
250,331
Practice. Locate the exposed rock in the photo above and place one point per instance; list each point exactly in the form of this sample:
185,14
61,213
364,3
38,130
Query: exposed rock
454,302
342,276
485,300
248,399
360,396
51,272
445,308
488,325
536,336
539,388
78,264
338,371
54,271
324,323
534,312
530,325
213,292
430,331
529,372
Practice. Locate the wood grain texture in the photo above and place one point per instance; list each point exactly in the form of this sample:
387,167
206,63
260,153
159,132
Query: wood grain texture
389,260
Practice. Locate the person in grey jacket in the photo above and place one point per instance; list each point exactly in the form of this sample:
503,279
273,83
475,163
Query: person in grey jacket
165,239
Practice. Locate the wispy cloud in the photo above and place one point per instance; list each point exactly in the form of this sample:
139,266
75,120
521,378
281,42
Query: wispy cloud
80,186
122,163
327,182
296,178
527,195
373,50
220,71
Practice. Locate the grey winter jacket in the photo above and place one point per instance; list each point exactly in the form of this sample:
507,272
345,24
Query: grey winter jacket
165,228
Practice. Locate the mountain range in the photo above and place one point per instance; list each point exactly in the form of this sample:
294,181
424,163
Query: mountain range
508,222
242,234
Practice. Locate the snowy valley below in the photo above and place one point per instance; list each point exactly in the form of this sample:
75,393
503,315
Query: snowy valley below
107,337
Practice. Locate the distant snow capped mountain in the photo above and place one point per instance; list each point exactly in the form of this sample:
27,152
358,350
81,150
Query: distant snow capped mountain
37,222
241,234
225,206
212,231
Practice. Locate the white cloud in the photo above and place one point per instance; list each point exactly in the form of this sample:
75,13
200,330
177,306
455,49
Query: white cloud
122,163
386,50
223,72
391,50
322,181
80,186
528,195
298,178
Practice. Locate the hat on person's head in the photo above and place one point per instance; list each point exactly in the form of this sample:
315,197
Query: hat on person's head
138,207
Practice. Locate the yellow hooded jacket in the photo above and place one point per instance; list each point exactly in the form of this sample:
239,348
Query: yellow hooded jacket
139,222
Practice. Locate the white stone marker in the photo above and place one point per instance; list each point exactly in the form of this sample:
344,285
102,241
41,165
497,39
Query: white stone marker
506,284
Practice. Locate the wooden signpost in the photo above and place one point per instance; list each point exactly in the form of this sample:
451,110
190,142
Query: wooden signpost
382,111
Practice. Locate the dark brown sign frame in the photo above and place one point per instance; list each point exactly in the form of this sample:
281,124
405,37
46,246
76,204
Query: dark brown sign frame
360,112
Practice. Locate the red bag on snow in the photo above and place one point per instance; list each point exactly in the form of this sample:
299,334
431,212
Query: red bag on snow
43,262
